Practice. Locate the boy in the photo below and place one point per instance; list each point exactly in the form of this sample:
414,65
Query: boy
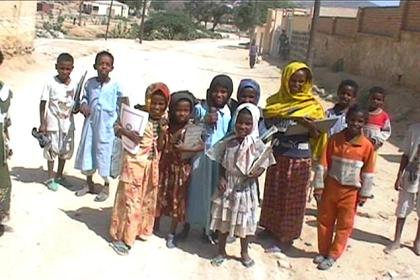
5,153
407,184
378,126
348,164
56,118
346,93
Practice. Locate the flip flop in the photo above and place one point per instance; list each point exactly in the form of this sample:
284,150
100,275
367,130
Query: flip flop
218,260
272,250
120,248
84,191
326,264
248,262
52,185
318,259
101,197
170,241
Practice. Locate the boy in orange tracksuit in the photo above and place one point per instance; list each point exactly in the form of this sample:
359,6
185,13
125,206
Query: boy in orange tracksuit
348,163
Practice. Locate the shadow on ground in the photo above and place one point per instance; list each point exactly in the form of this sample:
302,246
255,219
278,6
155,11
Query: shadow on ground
97,220
391,158
38,175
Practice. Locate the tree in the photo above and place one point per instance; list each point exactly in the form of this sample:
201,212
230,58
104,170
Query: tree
311,44
158,5
243,17
217,12
205,11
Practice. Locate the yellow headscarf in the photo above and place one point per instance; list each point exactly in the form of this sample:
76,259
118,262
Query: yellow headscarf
285,104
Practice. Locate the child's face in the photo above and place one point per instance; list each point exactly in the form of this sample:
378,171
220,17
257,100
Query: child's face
157,106
219,96
346,96
248,95
64,69
104,66
182,111
355,123
243,125
297,81
376,100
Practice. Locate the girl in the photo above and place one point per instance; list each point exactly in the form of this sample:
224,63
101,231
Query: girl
100,106
215,114
236,202
5,153
173,169
348,165
135,202
284,201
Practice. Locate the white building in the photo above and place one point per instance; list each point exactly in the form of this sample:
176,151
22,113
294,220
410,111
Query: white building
101,8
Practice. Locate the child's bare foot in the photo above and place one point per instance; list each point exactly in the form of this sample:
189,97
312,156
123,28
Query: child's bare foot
416,247
392,247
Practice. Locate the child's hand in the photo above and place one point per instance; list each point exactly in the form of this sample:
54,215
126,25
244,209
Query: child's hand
222,184
211,117
164,125
133,136
318,194
361,200
310,125
257,173
398,183
42,128
85,110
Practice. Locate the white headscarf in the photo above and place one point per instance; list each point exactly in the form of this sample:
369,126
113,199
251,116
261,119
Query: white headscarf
247,149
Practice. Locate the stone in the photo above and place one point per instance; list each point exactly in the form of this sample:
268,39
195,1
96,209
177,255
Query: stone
392,274
284,264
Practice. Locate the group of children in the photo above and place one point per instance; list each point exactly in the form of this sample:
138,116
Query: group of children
213,185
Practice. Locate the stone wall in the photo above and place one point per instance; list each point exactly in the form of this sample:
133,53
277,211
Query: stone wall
17,26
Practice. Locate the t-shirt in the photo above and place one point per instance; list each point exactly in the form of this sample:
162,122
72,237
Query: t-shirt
378,126
411,148
60,101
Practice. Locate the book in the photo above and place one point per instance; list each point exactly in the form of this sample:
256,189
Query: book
322,125
192,138
132,120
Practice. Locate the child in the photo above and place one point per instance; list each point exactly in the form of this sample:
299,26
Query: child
378,127
57,121
348,165
253,52
100,106
346,93
407,184
234,209
5,153
215,114
135,202
175,172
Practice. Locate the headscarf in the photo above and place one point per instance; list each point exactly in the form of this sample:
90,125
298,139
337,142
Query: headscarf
220,81
248,83
285,104
178,96
155,88
247,150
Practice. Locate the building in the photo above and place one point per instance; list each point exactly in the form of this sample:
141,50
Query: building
45,7
17,26
101,8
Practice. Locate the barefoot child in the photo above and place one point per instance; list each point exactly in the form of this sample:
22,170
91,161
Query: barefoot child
215,114
234,209
56,118
348,165
346,93
100,106
175,172
5,152
134,209
407,184
378,126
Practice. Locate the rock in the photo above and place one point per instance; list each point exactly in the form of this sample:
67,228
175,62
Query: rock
308,244
392,274
280,256
283,264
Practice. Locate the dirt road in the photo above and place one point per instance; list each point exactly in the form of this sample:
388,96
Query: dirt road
59,236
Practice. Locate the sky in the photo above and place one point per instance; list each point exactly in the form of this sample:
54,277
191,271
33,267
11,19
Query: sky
387,2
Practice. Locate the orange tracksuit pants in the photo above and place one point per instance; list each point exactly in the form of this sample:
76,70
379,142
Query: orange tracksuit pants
337,209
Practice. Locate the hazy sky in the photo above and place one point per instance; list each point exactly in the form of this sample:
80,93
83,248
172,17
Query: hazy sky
387,2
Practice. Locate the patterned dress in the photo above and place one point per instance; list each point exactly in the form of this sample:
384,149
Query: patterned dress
135,202
174,179
5,182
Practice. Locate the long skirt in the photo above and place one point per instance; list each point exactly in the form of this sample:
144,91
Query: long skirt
5,192
285,193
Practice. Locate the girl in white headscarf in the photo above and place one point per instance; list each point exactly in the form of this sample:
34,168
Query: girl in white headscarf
234,208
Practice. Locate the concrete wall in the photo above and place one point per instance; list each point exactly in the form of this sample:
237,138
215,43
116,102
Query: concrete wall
17,26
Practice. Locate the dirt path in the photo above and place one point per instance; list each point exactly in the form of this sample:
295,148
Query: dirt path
60,236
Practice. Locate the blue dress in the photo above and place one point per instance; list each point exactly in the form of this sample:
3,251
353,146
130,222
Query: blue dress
205,172
96,142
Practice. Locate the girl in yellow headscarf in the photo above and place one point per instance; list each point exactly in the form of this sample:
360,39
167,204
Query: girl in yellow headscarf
286,183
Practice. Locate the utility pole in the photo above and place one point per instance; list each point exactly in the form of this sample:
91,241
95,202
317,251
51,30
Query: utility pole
109,20
143,14
80,12
311,44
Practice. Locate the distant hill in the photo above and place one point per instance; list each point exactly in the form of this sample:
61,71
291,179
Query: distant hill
337,3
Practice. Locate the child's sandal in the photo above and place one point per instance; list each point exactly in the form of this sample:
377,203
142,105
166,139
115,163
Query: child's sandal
218,260
52,184
248,262
326,264
120,248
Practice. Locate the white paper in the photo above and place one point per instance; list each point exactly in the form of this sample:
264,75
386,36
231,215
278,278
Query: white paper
322,125
261,159
132,120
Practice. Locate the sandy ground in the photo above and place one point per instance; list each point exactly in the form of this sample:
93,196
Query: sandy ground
59,236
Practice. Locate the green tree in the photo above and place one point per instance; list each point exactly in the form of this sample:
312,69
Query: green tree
206,11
